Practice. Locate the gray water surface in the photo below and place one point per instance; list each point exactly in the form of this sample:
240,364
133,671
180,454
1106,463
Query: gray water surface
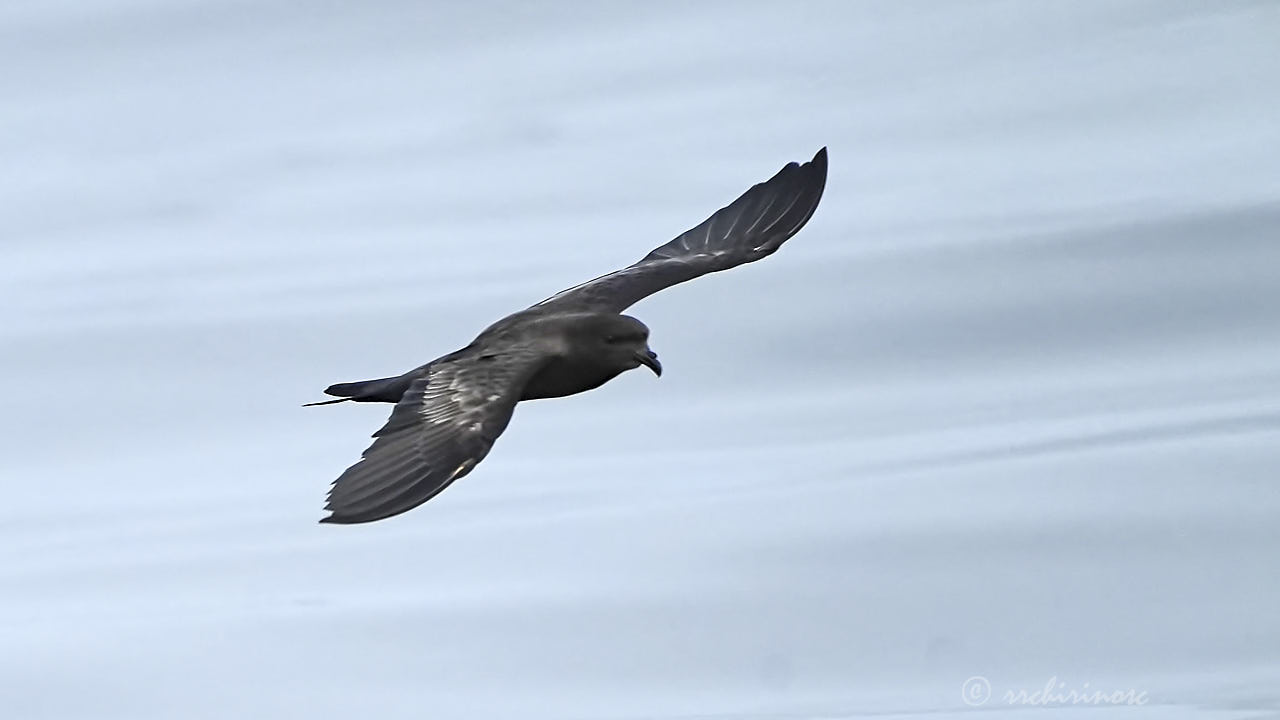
1008,407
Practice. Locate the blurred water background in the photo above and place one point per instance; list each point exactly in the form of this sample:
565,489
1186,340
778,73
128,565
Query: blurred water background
1008,407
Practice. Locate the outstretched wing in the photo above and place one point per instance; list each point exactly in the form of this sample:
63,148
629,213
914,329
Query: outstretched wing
442,427
749,228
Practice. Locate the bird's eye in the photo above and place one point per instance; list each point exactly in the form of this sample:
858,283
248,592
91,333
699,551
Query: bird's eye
612,339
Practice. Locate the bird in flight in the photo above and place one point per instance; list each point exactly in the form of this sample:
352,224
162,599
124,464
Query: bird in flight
449,412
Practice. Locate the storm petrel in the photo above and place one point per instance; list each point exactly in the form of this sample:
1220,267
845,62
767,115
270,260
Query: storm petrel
449,412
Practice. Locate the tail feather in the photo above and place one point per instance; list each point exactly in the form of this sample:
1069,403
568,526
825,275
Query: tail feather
386,390
325,402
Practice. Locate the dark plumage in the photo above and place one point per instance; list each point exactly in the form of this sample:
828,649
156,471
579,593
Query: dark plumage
449,412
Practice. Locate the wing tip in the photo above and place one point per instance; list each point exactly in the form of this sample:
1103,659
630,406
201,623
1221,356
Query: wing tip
808,183
336,517
819,163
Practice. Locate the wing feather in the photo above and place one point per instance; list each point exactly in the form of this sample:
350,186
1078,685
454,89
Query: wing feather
441,428
751,227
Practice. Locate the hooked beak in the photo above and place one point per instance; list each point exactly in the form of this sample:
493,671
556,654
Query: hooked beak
649,359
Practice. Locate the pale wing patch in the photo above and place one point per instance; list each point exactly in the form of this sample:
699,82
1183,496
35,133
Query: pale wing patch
438,432
462,469
450,398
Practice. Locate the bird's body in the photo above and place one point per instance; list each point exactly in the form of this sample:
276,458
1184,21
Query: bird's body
450,411
564,376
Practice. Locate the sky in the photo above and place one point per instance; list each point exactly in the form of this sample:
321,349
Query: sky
1006,409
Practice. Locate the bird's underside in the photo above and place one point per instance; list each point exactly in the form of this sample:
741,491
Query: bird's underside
449,412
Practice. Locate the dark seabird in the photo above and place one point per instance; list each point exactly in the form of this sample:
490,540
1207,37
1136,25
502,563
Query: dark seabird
449,412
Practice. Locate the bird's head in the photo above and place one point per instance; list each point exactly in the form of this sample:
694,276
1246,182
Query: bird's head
620,341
